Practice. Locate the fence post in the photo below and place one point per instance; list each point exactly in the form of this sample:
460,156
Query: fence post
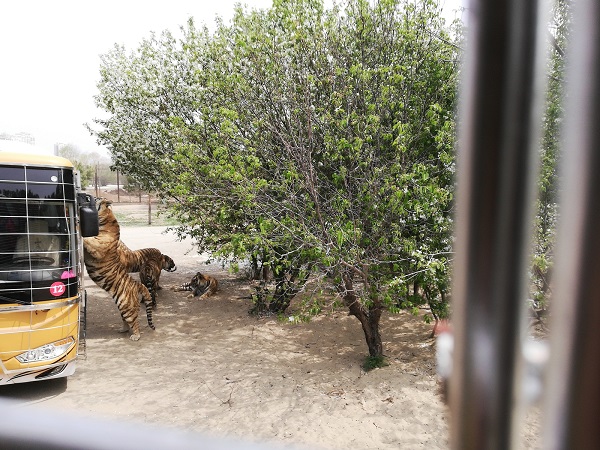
497,166
572,407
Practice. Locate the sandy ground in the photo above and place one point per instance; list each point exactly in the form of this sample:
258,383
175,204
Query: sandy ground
211,368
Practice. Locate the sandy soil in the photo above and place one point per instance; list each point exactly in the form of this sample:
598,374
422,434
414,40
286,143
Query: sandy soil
211,368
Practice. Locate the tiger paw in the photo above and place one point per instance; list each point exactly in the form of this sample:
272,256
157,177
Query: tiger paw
134,337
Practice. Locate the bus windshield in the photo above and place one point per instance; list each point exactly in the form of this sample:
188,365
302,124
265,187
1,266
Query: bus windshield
38,259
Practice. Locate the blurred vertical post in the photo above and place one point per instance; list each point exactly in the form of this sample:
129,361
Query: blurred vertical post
501,98
96,181
149,209
572,407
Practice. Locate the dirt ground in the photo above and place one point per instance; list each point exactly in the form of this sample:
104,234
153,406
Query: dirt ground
211,368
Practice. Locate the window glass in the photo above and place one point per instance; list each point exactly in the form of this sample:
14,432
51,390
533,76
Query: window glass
12,173
45,191
44,175
12,190
37,252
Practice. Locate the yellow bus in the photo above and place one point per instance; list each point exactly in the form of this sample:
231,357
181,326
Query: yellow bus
43,217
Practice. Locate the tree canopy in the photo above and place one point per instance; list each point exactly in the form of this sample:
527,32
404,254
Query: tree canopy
315,143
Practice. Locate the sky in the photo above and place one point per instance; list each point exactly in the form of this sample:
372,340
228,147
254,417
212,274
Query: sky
50,56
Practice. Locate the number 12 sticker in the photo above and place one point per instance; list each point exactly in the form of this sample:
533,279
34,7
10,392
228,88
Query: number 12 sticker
57,288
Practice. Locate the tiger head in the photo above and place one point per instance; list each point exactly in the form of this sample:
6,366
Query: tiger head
103,203
168,264
106,218
109,232
197,280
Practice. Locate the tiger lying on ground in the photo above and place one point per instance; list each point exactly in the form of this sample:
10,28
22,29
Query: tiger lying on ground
200,285
105,269
150,273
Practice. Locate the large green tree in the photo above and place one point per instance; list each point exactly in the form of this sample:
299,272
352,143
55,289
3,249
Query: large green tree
310,141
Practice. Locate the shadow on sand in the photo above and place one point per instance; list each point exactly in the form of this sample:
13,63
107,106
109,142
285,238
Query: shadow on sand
34,391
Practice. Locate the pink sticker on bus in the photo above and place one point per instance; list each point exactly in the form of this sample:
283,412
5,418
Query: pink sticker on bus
57,288
67,274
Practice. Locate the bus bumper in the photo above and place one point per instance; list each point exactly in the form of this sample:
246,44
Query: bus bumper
59,370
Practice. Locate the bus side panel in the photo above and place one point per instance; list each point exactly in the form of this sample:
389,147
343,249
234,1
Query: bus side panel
26,330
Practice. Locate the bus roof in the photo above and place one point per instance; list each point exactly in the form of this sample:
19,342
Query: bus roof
33,159
20,153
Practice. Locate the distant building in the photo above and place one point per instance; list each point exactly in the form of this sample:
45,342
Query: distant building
19,137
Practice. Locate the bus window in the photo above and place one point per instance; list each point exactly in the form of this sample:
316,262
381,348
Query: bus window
37,247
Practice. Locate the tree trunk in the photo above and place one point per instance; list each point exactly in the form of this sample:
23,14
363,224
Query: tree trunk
369,318
282,297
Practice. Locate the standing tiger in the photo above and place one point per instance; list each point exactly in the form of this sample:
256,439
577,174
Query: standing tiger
200,285
105,269
135,260
150,273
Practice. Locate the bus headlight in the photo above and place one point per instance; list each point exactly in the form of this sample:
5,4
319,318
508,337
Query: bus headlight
46,352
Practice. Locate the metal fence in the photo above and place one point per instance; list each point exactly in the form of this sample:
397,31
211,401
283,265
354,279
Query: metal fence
498,141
